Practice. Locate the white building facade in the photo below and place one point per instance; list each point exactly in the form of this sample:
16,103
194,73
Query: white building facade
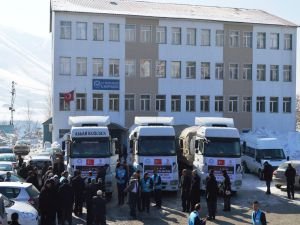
130,58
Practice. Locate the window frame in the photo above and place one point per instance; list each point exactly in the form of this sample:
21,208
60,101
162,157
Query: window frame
98,32
97,101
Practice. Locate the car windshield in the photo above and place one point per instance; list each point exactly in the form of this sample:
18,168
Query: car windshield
32,191
6,150
5,167
158,145
270,154
222,147
8,158
88,147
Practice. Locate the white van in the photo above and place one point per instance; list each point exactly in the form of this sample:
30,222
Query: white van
258,150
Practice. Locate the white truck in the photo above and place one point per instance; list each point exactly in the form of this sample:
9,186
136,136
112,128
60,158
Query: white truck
260,149
152,145
90,148
213,144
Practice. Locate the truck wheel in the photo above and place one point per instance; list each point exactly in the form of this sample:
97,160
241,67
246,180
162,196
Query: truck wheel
246,169
260,175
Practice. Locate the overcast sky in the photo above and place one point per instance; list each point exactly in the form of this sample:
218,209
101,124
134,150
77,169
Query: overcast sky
32,16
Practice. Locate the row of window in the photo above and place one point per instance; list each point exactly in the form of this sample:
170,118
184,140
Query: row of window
235,38
145,68
176,101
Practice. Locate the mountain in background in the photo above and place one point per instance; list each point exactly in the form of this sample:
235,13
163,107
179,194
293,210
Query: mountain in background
25,59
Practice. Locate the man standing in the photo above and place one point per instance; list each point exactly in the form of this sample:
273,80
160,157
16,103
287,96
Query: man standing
78,189
133,189
194,218
146,186
185,184
258,216
121,177
195,190
211,195
226,186
268,174
66,200
290,174
99,209
157,188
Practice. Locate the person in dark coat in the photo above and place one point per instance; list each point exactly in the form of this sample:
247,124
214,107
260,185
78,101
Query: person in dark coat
290,174
23,172
211,195
157,188
90,191
58,166
226,191
66,200
78,187
185,184
268,174
20,161
33,179
195,190
48,203
133,190
99,207
14,219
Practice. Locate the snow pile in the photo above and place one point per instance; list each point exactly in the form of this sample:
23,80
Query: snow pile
290,141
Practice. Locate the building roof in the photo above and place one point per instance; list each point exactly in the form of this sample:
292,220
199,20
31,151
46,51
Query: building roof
169,10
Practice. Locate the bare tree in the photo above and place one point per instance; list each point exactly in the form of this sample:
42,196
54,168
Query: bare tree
28,118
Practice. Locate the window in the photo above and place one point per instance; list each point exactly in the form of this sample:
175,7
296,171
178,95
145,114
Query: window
233,71
97,102
161,35
205,70
219,71
114,66
233,104
65,29
114,102
98,67
247,72
191,70
274,73
287,104
274,104
63,105
114,32
205,37
160,68
288,41
287,73
220,38
261,40
145,68
129,103
175,69
81,66
130,32
145,102
81,31
98,31
160,103
234,39
247,39
261,72
260,104
204,103
175,103
190,103
130,68
274,41
191,36
247,104
80,101
146,33
176,36
219,103
65,65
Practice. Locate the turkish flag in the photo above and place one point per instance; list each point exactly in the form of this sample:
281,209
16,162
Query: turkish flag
69,96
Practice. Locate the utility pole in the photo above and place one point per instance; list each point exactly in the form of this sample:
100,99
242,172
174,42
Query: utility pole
11,107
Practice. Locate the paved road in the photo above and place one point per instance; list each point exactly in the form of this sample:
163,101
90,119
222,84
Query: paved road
278,208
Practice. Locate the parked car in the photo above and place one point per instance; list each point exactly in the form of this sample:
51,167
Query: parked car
24,192
9,157
27,213
14,177
279,178
7,167
6,149
21,148
3,214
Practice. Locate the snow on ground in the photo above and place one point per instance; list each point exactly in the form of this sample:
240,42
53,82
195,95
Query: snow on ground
290,141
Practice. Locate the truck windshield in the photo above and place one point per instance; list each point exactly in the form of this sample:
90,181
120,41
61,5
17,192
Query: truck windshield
270,154
157,146
222,147
90,148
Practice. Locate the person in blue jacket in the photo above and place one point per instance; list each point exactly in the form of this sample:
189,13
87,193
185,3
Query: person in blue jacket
258,217
157,188
147,187
194,218
121,177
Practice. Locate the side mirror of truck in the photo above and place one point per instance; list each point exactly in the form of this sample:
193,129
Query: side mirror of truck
197,144
287,158
131,144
